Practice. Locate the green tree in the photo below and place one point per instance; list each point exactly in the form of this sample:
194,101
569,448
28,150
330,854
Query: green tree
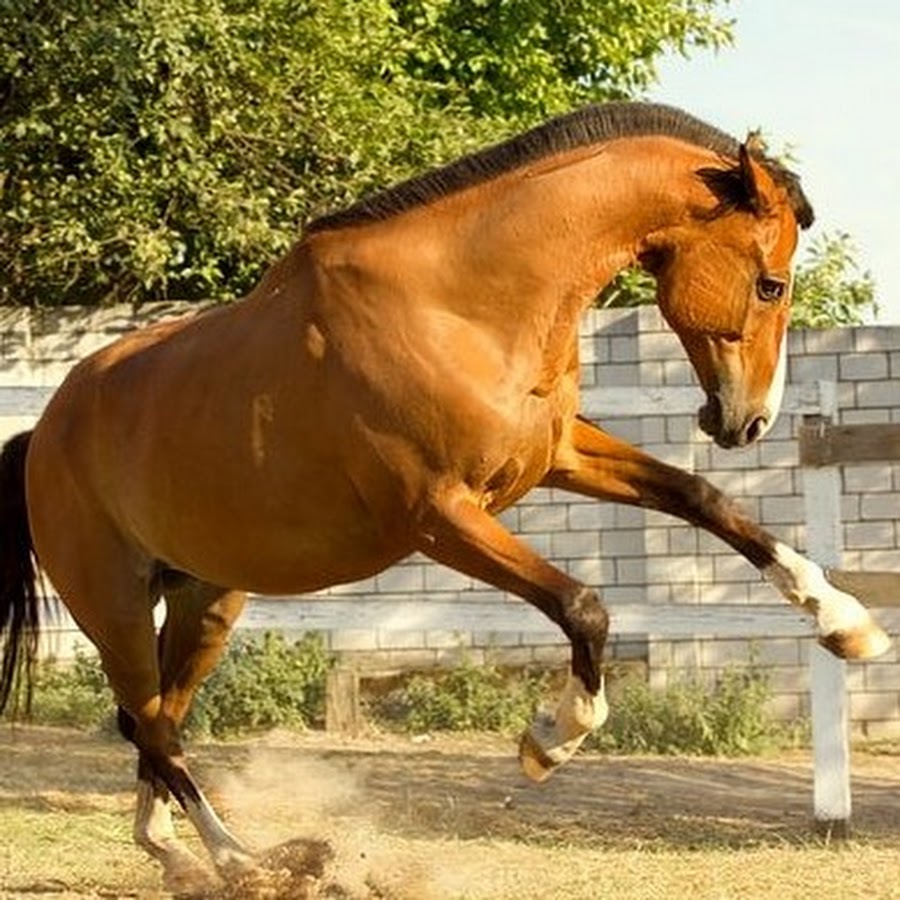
161,148
829,287
526,59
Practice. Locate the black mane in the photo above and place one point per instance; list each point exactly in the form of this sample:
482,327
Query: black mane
590,125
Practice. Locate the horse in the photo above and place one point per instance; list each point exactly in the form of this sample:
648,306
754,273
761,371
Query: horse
407,370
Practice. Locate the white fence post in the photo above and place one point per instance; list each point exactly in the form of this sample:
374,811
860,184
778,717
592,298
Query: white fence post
829,699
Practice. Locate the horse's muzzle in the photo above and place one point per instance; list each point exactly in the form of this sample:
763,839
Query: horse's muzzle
729,428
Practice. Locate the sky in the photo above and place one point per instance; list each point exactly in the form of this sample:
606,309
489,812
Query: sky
822,79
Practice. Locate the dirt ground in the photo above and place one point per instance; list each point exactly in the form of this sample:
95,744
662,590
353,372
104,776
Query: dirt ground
451,817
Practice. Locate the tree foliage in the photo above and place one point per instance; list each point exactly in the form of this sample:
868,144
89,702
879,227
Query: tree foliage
829,287
158,148
525,59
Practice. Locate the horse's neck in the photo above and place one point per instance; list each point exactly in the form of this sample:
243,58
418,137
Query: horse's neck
540,243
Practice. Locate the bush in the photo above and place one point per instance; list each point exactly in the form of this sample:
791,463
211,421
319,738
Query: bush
259,684
727,718
262,684
467,698
75,695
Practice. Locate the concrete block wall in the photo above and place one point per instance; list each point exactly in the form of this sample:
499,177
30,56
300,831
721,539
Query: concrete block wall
632,555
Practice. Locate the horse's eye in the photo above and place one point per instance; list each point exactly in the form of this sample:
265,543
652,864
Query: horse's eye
771,290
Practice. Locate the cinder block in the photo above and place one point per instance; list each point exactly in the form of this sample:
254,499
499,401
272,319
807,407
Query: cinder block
791,679
400,640
880,506
828,340
719,654
882,676
544,518
867,478
631,571
868,535
782,509
878,394
804,369
863,366
592,571
865,416
733,568
353,639
624,349
678,373
777,652
872,338
402,579
778,454
682,429
592,516
788,707
441,640
442,578
620,375
672,569
769,483
875,705
574,544
651,373
661,345
894,363
623,542
491,639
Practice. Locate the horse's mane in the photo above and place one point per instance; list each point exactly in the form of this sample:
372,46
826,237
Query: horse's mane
590,125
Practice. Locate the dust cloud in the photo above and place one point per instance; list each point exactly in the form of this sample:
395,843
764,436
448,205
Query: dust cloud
316,835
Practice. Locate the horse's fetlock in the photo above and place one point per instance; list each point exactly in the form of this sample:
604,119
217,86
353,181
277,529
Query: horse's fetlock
588,617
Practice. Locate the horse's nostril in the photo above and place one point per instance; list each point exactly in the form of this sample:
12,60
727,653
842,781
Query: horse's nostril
756,428
710,416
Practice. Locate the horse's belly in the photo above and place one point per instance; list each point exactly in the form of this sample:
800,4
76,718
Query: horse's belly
283,545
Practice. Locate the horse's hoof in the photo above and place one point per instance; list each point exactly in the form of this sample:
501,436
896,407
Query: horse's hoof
865,642
535,763
235,863
189,881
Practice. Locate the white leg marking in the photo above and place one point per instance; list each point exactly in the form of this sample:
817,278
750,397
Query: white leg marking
837,613
228,855
557,738
154,831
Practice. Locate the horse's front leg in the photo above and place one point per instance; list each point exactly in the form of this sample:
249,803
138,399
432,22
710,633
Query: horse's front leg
459,533
594,463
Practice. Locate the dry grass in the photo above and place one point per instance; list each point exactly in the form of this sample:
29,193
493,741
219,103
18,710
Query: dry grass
452,819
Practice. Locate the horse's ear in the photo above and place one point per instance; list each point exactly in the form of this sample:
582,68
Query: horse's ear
753,177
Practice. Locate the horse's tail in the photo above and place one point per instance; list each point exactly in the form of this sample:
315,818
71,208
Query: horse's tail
18,578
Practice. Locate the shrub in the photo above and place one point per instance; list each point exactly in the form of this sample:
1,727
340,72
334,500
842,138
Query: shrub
75,695
727,718
258,684
261,684
467,698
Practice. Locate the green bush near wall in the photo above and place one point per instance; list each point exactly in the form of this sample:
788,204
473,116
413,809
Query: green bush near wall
269,682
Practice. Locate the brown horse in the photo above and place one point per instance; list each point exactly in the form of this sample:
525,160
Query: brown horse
405,372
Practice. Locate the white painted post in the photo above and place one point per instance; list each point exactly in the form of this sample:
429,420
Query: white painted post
828,676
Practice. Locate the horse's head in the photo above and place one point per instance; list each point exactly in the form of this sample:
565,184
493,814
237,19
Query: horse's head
724,285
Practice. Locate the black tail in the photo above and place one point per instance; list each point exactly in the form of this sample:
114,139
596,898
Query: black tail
18,578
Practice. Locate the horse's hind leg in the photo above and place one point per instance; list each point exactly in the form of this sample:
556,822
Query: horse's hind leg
110,592
199,618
